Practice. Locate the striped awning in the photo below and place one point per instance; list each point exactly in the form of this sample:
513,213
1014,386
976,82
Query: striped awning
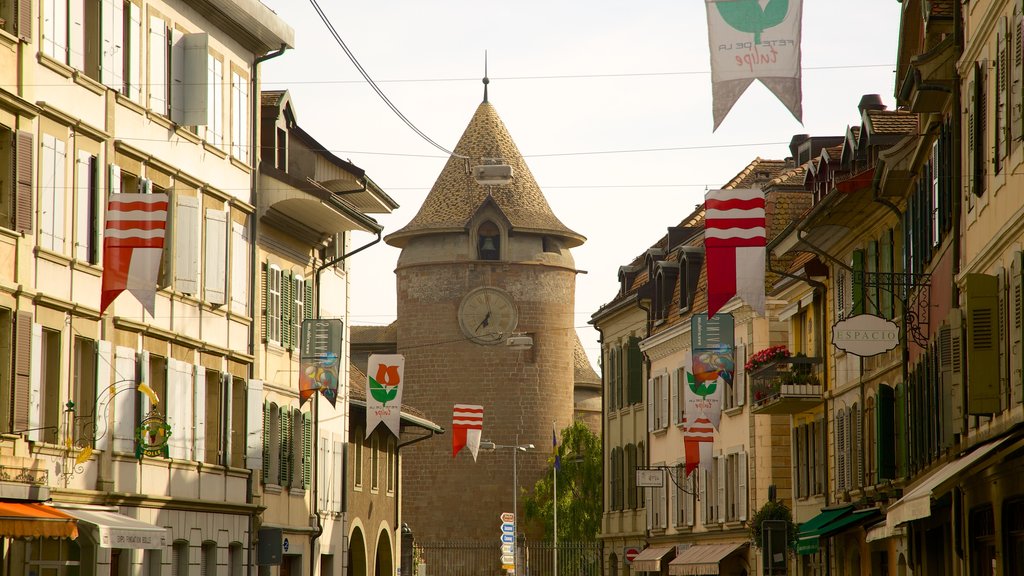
702,559
35,520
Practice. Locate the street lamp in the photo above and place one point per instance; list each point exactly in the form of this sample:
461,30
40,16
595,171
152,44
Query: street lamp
516,449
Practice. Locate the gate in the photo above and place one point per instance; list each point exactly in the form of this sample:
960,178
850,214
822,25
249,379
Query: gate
483,558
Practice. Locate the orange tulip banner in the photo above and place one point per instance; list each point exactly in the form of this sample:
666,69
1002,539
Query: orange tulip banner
384,376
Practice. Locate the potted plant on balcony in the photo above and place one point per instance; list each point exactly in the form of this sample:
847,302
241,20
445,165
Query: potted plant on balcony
767,356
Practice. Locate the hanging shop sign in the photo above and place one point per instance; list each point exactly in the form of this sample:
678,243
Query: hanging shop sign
865,335
152,436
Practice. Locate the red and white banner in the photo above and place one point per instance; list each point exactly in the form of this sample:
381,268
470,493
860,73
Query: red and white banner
698,441
734,243
467,425
754,39
133,246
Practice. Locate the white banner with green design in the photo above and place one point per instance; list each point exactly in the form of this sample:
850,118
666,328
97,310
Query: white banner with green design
384,376
754,39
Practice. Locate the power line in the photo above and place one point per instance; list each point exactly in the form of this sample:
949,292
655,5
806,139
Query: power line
366,76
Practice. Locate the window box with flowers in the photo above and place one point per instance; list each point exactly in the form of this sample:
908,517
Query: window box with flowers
783,383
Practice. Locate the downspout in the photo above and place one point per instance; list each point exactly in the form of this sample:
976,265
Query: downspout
318,527
254,157
604,444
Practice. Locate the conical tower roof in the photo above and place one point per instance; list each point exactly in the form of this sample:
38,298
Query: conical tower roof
456,196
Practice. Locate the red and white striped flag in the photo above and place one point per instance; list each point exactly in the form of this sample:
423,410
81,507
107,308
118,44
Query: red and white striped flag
133,246
698,440
734,242
467,425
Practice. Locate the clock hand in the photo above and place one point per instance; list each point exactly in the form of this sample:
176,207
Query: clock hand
485,322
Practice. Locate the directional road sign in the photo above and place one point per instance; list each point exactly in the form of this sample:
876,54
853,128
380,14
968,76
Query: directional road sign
507,517
508,527
507,538
506,549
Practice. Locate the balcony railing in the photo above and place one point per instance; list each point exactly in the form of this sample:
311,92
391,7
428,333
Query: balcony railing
786,386
24,475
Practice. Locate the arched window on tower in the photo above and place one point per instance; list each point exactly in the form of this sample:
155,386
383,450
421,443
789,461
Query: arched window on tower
488,241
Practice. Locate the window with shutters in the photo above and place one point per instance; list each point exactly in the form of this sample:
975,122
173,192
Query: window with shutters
272,463
240,266
685,497
237,430
216,257
357,458
709,493
841,459
159,86
629,477
51,401
375,462
208,559
300,443
215,100
634,371
274,286
236,566
8,176
179,558
659,393
84,390
302,307
52,194
240,117
87,208
978,128
214,417
55,29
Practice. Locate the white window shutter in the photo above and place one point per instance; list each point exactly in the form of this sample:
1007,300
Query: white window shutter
674,404
227,398
189,79
254,425
46,192
215,277
145,186
143,378
114,179
83,208
55,29
663,503
35,390
76,34
721,482
741,492
186,244
336,486
104,364
186,400
158,65
689,484
60,193
702,480
240,263
134,41
172,411
199,412
112,24
664,401
650,510
739,382
124,399
650,405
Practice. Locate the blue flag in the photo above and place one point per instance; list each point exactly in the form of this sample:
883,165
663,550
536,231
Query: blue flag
554,447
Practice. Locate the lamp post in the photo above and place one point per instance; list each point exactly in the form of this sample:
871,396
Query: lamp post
516,449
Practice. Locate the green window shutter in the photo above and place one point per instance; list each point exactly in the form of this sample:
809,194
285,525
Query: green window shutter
885,267
285,467
900,434
981,306
857,291
263,308
635,379
307,450
885,420
972,96
287,303
266,441
307,307
871,266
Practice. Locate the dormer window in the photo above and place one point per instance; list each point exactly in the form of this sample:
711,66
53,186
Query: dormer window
488,241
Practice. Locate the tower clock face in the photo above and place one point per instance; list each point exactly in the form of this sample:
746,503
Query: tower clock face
487,316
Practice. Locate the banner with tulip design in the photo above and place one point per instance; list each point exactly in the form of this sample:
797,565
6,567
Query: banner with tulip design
384,376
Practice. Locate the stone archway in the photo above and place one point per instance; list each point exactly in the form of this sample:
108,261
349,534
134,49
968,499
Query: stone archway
356,554
384,564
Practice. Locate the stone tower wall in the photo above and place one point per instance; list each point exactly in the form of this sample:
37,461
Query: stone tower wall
522,392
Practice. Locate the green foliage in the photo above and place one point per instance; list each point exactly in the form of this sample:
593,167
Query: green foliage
579,488
772,510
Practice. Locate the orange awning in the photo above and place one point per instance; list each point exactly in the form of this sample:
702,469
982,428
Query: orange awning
34,520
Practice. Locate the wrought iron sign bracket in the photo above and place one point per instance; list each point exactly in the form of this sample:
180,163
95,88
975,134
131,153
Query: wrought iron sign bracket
666,471
907,288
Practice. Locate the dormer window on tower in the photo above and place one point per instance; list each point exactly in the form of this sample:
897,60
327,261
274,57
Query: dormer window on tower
488,241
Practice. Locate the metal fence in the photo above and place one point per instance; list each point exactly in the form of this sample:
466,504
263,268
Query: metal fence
483,558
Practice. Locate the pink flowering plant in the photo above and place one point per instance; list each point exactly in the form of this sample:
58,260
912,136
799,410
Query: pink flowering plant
766,356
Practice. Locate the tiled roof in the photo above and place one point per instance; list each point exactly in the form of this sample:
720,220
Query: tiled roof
796,266
456,196
791,177
892,121
757,173
584,372
271,97
374,334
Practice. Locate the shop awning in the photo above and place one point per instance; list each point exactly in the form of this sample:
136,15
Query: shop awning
810,531
883,530
115,530
851,520
35,520
649,560
916,503
701,559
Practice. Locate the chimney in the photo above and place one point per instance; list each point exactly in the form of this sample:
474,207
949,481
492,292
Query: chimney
870,102
794,147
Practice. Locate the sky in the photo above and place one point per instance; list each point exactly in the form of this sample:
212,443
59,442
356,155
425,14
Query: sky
608,101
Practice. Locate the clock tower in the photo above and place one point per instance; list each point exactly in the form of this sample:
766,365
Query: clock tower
484,260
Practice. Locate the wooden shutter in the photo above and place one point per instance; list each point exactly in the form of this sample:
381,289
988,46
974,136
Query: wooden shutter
945,354
798,464
133,36
35,388
840,425
285,455
650,405
307,307
173,411
857,446
266,441
885,419
857,291
24,166
124,399
215,277
158,73
687,497
663,413
255,428
186,244
981,307
1016,329
741,487
199,412
76,35
240,258
112,29
22,370
307,451
25,20
265,302
101,421
1016,78
1002,323
720,483
634,371
287,305
1002,90
676,380
739,380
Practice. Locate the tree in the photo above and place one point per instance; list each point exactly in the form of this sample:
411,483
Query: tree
579,488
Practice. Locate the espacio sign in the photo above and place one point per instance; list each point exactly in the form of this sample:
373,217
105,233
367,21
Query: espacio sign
865,335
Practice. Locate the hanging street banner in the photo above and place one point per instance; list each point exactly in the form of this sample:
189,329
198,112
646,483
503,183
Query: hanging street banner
320,348
133,247
734,244
467,425
711,366
754,39
384,376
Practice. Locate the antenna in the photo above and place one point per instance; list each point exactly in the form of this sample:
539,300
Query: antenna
486,80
